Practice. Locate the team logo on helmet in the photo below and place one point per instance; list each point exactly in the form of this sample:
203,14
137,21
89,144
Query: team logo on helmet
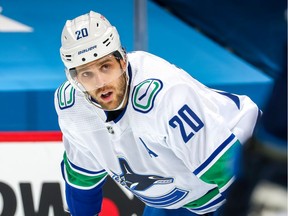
144,94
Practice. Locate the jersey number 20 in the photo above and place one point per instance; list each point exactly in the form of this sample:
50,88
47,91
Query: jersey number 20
187,121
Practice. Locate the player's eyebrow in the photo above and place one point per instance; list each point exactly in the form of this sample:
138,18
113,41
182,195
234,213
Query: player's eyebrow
103,61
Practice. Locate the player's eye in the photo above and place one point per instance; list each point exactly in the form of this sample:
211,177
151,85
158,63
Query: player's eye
86,74
105,67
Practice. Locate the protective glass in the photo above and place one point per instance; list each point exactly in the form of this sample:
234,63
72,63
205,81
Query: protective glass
98,73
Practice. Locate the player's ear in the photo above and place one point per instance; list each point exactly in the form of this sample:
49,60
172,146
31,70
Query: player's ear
123,63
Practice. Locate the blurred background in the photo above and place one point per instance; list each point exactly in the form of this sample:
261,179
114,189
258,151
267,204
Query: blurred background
235,46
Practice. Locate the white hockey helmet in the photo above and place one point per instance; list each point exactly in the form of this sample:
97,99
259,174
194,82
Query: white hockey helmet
87,38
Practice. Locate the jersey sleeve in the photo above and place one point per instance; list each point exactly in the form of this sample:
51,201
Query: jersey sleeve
83,187
83,175
204,129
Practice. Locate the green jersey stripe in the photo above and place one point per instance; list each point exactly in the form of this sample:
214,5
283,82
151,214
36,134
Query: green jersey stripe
222,170
81,180
220,173
203,200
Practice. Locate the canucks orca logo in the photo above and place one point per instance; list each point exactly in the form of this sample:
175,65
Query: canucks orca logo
137,183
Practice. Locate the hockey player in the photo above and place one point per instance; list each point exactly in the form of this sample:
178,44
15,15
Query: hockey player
148,124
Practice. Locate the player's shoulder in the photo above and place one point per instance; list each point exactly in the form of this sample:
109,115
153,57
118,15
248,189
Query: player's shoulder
146,65
152,94
74,111
154,79
146,59
66,98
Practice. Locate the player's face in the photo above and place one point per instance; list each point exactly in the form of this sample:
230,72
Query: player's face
105,80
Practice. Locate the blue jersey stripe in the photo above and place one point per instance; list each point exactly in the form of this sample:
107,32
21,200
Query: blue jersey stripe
215,202
233,97
85,170
214,154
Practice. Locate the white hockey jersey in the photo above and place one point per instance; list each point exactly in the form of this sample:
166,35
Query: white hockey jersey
172,146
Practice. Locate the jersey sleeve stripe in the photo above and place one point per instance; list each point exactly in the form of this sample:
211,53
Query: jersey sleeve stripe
203,200
218,169
222,170
220,149
215,202
233,97
82,170
79,180
212,198
209,208
208,201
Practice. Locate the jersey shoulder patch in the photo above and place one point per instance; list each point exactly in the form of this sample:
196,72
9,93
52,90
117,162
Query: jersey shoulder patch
144,94
66,95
